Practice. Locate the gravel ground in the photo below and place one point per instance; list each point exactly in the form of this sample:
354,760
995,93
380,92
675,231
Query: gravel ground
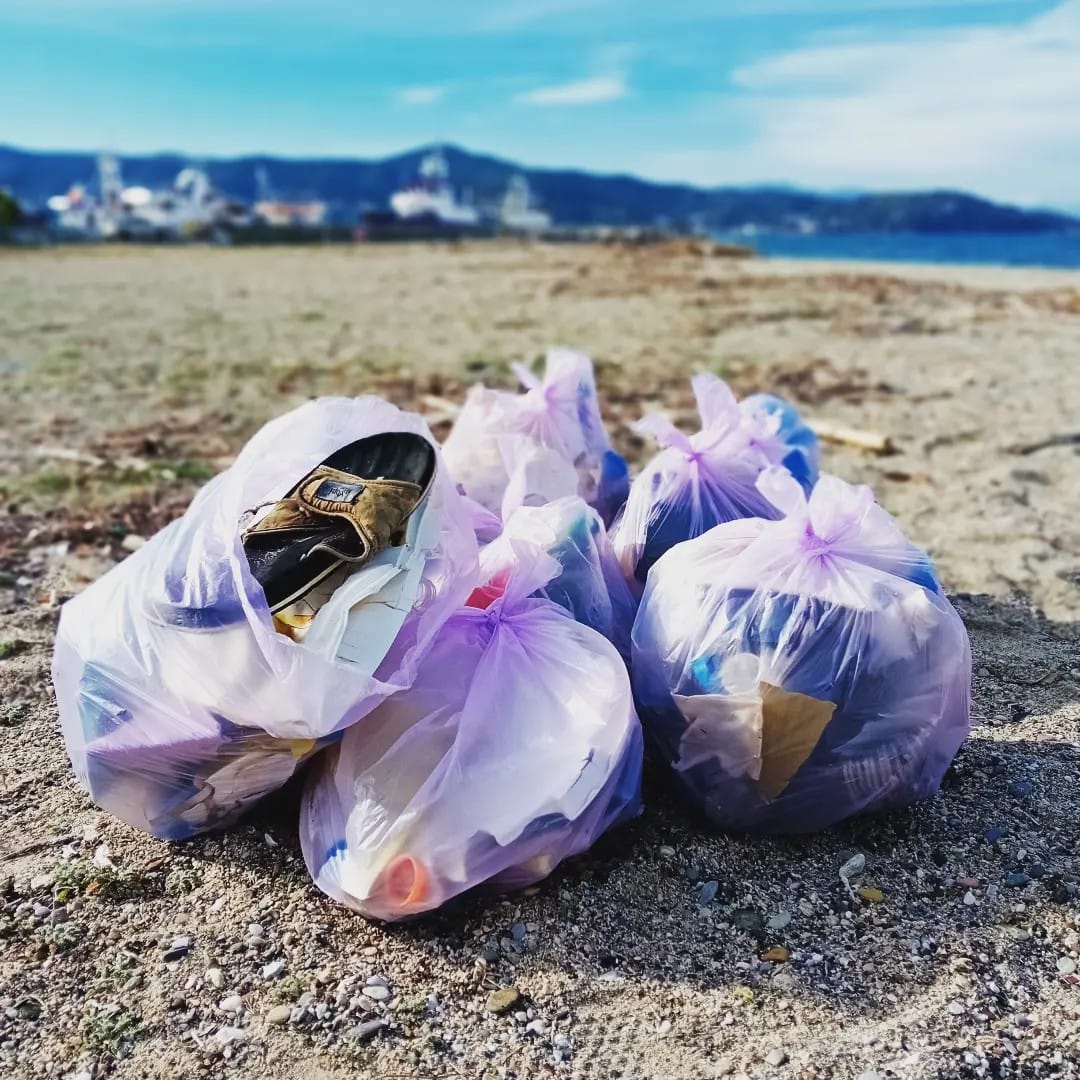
668,951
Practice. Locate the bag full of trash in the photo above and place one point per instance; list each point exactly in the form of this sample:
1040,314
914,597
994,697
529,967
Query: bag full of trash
784,435
516,746
301,588
798,671
695,481
560,412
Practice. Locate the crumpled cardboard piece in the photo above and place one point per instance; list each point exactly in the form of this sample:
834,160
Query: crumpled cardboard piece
791,725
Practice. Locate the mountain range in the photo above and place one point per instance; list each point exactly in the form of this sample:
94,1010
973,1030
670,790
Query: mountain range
571,196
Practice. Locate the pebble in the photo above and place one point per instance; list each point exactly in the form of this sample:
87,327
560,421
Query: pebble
1017,880
870,894
273,969
667,852
869,1076
228,1035
42,881
501,1001
376,993
178,949
231,1004
776,1057
537,1026
664,1027
1022,789
491,952
132,542
1066,965
776,955
970,898
778,922
956,1008
993,835
215,977
708,892
855,865
368,1029
279,1014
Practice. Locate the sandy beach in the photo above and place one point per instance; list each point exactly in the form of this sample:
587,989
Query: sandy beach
132,375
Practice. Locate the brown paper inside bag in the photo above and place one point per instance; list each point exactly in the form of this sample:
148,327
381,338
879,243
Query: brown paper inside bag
791,725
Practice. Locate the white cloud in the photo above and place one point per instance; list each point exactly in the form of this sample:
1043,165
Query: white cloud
594,91
420,95
990,108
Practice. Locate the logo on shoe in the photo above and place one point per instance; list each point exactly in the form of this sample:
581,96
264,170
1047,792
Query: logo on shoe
337,491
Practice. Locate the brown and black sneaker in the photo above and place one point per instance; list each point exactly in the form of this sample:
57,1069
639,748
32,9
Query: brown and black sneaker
346,510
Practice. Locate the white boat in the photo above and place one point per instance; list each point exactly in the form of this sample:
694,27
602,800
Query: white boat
431,196
518,212
191,207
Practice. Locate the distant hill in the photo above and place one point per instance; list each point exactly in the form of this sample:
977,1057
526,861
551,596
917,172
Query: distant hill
572,196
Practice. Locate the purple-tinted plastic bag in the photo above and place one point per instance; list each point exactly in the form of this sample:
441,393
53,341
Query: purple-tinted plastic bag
516,746
696,481
180,702
799,671
559,412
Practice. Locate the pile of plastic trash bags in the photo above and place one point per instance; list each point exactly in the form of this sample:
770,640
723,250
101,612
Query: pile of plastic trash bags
456,643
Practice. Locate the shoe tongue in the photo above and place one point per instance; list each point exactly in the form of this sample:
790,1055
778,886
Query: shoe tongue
376,509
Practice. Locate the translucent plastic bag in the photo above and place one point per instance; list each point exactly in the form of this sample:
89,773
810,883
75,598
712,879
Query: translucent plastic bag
784,435
516,747
539,508
559,412
799,671
169,668
695,481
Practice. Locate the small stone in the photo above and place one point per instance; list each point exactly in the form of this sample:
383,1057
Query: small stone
854,866
491,952
708,892
29,1008
132,542
376,993
870,894
42,881
968,882
368,1029
667,852
215,977
537,1026
970,898
231,1004
501,1001
956,1008
1036,871
273,969
517,931
747,919
778,922
776,1057
664,1027
1022,789
279,1014
776,955
1017,933
1066,965
869,1076
226,1036
723,1067
994,834
178,949
1017,880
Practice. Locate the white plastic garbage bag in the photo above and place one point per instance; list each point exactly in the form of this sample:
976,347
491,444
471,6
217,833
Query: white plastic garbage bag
516,746
170,666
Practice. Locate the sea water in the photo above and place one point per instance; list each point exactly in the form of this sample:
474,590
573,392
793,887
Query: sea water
1059,250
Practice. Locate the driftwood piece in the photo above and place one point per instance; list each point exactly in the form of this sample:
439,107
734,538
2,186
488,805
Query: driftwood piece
873,442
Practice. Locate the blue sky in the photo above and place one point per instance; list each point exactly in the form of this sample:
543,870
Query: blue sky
880,94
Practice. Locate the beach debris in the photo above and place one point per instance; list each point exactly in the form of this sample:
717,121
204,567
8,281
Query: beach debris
873,442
